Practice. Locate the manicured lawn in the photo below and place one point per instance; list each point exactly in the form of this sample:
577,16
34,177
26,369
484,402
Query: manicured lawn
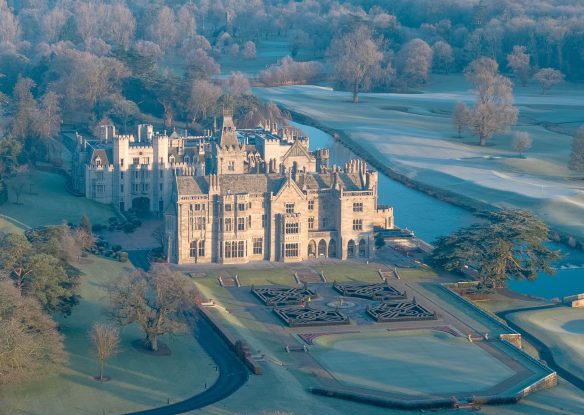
50,204
137,380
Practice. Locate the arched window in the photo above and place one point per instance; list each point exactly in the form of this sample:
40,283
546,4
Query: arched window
311,248
351,249
322,248
362,248
332,249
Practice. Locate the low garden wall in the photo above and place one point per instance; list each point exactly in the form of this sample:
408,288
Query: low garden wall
233,343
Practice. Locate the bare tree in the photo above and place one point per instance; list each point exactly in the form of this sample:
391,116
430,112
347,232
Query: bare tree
9,27
54,22
522,142
460,117
31,344
442,57
105,339
493,112
414,62
48,118
159,301
85,78
355,58
576,162
518,61
201,65
288,71
548,78
163,29
186,22
203,99
237,85
249,50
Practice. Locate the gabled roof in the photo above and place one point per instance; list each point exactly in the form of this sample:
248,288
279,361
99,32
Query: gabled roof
103,155
297,150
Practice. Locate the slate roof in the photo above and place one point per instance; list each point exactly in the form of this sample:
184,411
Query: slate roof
266,183
105,154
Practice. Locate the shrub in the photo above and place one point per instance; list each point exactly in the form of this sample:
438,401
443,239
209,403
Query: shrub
129,227
116,248
123,256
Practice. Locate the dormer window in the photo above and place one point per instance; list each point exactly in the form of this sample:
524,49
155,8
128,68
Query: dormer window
97,162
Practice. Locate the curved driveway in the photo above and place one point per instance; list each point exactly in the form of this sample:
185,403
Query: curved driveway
232,375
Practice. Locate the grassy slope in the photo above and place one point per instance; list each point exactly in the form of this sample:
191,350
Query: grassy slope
138,380
50,204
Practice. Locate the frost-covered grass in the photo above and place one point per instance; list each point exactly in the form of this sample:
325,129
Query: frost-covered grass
284,388
50,204
561,329
413,134
138,380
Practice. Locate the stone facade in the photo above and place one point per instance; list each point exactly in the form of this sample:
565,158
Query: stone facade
238,195
275,201
135,171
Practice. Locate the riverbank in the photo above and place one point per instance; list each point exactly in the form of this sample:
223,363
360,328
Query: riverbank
414,146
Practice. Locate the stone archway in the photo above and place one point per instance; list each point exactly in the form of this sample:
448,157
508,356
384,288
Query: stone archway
311,249
332,249
362,248
351,249
322,248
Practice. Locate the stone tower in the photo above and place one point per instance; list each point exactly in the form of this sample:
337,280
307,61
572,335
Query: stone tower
228,154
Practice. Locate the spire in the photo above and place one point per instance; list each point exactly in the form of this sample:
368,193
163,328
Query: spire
228,134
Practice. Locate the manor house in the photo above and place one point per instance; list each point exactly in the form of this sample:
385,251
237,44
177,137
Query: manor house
272,200
235,196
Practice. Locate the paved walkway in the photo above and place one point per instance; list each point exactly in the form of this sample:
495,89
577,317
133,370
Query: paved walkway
232,372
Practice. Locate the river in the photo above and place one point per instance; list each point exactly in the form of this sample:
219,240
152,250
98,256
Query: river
430,217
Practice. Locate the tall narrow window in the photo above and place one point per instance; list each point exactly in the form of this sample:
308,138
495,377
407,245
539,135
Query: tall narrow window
201,248
257,246
193,249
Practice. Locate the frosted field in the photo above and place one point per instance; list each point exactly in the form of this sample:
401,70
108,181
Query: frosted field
413,363
413,134
561,329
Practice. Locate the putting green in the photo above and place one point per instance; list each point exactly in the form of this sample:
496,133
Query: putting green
412,363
